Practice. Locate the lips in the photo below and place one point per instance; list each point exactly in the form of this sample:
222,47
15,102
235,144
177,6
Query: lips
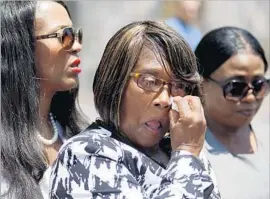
76,62
75,66
248,112
154,126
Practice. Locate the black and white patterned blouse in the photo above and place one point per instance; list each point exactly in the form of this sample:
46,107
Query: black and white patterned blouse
98,164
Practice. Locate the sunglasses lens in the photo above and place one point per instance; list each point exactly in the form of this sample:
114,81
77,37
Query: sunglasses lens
235,90
68,38
261,88
80,35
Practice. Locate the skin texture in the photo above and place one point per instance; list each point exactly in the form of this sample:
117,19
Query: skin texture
53,61
227,119
152,107
53,65
246,65
146,116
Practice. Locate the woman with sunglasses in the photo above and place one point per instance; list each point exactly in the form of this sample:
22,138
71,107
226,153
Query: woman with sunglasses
125,154
233,66
39,86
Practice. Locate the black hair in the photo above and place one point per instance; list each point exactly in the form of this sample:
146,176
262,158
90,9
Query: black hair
220,44
22,156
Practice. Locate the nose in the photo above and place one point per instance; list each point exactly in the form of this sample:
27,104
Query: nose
250,97
77,47
163,98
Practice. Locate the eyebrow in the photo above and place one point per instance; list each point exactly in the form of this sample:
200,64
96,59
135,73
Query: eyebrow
158,73
236,77
151,70
241,77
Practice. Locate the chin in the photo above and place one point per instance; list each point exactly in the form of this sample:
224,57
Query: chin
69,85
148,145
239,122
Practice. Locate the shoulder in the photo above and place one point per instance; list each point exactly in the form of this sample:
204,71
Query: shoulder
198,32
92,141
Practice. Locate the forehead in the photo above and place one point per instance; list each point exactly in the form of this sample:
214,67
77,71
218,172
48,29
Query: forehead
51,16
150,62
244,64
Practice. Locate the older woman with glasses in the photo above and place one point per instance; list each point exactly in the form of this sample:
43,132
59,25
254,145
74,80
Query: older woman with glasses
233,67
145,66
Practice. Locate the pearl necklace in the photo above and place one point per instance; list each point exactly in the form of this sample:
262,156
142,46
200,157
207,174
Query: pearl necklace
55,133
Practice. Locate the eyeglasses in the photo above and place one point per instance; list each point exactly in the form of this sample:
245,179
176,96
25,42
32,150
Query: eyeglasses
67,37
236,89
153,84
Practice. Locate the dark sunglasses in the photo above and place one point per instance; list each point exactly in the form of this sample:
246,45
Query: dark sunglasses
236,89
66,35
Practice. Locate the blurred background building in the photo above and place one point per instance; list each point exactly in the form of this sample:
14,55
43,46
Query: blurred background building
100,19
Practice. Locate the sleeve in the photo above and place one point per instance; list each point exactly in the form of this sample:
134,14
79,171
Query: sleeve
211,173
78,174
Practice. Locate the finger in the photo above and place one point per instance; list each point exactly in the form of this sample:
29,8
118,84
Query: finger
194,103
173,116
202,110
183,107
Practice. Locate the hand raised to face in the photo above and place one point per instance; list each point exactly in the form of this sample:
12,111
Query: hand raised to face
188,124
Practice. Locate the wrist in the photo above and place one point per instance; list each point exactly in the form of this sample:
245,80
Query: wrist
194,149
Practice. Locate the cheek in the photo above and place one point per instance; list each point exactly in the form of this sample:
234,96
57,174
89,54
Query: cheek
129,106
50,59
215,103
133,106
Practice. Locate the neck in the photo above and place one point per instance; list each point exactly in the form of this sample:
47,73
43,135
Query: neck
225,130
44,107
157,154
235,139
151,151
